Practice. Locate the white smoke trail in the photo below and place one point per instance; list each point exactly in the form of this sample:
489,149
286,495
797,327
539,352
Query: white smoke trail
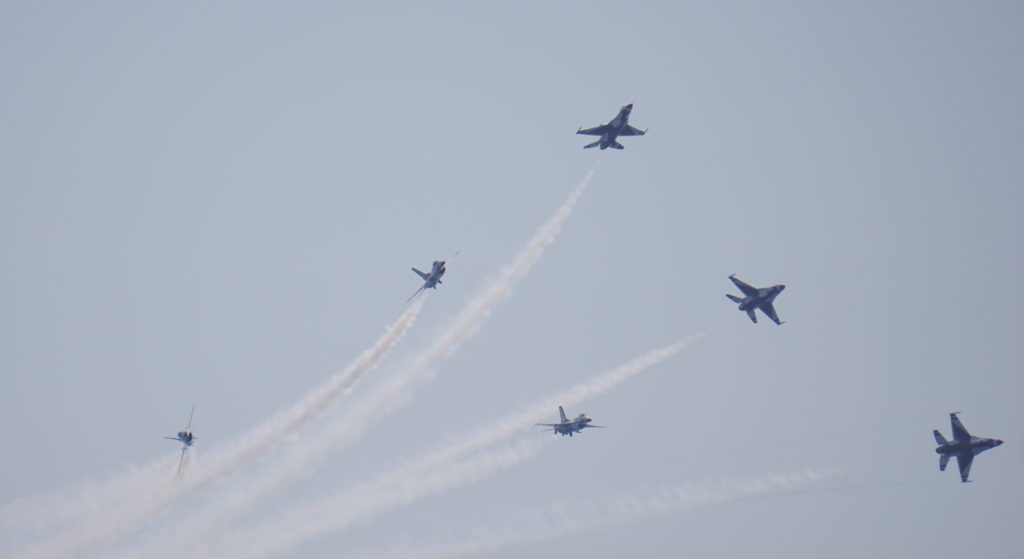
433,473
108,512
473,536
396,389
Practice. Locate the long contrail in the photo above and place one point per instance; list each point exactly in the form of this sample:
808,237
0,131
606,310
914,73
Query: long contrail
473,536
397,388
106,513
434,472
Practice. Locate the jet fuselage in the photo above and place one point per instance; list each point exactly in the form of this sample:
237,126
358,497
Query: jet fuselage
763,296
976,445
436,272
617,124
574,426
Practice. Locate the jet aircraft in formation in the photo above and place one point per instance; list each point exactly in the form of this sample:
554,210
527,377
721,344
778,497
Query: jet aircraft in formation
618,126
756,298
964,446
186,437
569,426
430,279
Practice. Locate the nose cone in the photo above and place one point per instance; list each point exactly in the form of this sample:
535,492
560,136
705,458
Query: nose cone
629,106
781,287
999,442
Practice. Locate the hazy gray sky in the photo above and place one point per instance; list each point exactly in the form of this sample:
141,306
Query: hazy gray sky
219,203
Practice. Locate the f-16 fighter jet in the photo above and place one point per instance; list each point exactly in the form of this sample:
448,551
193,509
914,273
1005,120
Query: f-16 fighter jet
963,446
570,426
430,280
619,126
756,298
186,437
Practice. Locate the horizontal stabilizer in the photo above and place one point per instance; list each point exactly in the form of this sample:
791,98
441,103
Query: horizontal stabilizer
939,438
617,145
734,299
753,317
943,460
592,145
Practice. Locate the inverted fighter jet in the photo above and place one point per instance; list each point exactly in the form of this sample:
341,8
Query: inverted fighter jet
431,279
619,126
186,437
963,446
756,298
569,426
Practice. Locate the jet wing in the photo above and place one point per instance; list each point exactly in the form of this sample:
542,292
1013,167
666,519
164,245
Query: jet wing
631,131
413,296
421,274
769,309
964,460
595,131
960,434
743,286
182,459
550,424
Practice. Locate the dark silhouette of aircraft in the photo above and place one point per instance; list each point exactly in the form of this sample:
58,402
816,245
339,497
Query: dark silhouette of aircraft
186,437
757,298
964,446
618,126
569,426
431,279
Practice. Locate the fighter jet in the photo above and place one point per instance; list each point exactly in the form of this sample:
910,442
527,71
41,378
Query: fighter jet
619,126
963,446
430,280
570,426
186,437
756,298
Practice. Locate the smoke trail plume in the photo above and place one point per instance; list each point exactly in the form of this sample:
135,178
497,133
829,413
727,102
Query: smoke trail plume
396,389
469,537
435,472
108,512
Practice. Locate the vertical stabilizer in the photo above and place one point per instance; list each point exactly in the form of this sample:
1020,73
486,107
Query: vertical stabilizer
561,412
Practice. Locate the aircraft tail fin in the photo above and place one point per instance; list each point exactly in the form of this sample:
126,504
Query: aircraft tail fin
734,298
592,145
561,412
943,460
939,438
420,274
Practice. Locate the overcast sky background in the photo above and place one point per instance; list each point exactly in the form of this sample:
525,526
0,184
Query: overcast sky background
219,203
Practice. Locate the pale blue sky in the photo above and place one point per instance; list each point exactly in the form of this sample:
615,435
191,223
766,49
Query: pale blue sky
219,203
